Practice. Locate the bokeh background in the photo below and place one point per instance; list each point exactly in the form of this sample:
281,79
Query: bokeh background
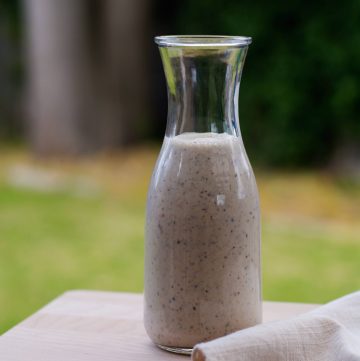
82,115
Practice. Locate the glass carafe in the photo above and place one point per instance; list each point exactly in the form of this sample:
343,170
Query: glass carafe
202,235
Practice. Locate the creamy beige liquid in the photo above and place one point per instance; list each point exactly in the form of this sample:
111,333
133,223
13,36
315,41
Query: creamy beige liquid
202,263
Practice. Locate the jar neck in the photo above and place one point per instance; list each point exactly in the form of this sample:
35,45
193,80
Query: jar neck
203,88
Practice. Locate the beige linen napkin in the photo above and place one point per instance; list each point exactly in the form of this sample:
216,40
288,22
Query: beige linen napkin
329,333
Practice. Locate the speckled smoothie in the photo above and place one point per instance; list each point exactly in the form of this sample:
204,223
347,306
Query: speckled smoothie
202,263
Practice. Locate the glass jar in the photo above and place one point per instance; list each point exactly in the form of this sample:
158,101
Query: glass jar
202,236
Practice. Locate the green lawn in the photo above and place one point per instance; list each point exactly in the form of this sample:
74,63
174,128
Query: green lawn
63,238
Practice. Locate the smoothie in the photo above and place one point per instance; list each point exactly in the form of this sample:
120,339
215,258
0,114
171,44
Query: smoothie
202,263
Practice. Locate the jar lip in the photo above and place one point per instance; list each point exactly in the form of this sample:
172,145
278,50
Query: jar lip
202,41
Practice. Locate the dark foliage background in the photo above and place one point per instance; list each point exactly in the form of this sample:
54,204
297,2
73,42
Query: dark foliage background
11,70
300,97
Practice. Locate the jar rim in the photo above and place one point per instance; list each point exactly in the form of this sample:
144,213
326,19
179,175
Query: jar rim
202,41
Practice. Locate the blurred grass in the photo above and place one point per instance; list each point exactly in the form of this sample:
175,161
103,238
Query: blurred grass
64,237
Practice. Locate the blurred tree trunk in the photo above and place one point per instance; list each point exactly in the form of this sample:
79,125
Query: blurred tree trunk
86,73
122,72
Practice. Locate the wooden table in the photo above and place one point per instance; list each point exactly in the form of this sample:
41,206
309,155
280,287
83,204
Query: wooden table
98,326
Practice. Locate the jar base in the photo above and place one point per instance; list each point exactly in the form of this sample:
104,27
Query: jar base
178,350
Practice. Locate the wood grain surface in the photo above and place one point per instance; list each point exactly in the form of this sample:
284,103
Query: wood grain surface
98,326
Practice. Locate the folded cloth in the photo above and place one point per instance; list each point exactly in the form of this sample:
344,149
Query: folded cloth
328,333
